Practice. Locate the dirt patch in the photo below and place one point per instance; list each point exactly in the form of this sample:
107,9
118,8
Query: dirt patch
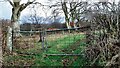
25,42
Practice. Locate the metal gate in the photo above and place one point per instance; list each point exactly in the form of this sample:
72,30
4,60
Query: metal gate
66,41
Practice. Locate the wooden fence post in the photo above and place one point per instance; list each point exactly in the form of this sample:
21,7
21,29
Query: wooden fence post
43,40
9,39
44,44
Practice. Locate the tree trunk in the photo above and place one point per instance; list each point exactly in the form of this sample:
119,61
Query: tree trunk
16,28
68,25
67,22
15,21
64,8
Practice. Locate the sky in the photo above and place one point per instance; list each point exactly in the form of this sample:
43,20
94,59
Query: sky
5,8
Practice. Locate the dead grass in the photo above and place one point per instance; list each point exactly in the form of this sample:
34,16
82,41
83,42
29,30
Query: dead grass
53,37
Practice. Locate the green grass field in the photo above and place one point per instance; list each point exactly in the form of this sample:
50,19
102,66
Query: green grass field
69,44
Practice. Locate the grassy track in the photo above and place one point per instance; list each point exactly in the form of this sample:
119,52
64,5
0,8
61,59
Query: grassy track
68,44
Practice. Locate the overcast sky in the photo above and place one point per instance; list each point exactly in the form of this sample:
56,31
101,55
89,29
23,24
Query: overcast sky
5,8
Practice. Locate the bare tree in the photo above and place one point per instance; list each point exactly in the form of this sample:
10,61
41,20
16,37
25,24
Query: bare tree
17,8
71,10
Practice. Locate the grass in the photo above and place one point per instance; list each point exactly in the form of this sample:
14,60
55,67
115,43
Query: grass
63,43
67,44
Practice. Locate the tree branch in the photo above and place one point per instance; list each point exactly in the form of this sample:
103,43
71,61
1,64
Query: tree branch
113,60
10,3
24,5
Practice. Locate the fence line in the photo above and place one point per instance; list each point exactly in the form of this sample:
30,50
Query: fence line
45,43
63,29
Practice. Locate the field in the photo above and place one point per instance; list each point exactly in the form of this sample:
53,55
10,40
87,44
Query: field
58,44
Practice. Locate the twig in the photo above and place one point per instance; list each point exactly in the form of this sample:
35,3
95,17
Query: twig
113,60
95,60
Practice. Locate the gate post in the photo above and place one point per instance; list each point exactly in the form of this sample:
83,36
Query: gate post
9,39
43,40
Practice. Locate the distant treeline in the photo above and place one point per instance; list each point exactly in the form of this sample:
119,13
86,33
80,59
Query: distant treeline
4,23
35,26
